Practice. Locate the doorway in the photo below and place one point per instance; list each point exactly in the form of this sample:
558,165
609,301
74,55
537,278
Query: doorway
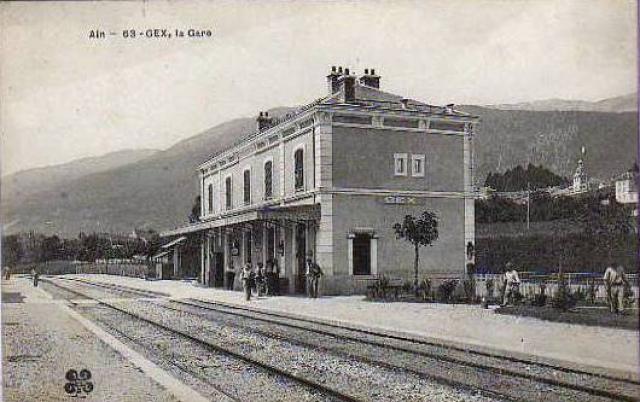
362,254
218,270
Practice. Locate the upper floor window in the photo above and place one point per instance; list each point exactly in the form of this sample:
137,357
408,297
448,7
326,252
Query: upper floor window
228,192
210,198
268,180
417,165
298,169
400,164
247,186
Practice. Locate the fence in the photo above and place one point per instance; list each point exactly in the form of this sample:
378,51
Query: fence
133,269
530,284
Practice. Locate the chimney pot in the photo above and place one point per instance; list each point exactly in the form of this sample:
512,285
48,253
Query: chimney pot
340,69
373,72
366,71
266,114
333,69
260,114
346,71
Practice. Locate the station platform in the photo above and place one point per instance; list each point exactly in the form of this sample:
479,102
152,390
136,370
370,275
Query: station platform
42,341
609,349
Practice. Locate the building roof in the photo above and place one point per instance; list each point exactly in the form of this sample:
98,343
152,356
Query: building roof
365,96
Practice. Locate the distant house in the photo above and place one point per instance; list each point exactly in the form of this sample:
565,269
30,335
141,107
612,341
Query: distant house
626,189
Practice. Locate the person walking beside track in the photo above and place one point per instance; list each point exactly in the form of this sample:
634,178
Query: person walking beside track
35,275
614,282
248,278
314,272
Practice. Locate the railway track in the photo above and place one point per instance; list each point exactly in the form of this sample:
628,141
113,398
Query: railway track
327,392
506,377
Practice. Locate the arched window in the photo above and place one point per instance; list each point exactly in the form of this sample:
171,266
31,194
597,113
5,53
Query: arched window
247,186
298,164
228,193
210,198
268,180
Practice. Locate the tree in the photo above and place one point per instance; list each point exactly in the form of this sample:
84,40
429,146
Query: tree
421,231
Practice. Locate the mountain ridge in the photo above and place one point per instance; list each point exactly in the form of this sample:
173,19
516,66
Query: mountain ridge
157,192
618,104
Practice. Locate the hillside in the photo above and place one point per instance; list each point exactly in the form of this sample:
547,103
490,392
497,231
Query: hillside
157,192
154,193
17,186
624,103
507,138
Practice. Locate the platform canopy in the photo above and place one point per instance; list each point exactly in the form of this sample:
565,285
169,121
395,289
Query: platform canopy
179,240
288,213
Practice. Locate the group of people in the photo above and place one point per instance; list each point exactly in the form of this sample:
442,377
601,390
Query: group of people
614,279
264,280
35,275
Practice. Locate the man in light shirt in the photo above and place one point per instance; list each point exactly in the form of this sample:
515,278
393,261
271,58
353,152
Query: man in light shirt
614,281
511,281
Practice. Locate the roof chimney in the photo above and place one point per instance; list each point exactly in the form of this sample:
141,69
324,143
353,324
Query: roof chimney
348,87
371,80
449,108
263,122
405,103
332,80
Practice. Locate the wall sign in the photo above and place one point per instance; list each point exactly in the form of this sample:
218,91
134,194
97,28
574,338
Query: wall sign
400,200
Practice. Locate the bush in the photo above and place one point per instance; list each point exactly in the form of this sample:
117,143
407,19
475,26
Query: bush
425,288
469,286
591,291
563,299
381,286
489,285
628,296
446,289
540,299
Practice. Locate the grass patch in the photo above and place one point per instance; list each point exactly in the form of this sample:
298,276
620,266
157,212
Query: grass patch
592,316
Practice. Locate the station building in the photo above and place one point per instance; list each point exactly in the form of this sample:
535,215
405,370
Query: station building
329,180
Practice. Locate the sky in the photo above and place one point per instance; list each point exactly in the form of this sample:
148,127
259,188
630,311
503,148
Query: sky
65,96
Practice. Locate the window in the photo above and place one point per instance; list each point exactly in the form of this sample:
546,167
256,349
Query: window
400,164
298,163
268,180
417,165
247,186
228,193
210,198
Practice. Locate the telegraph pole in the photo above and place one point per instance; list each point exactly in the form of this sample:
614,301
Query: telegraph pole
528,205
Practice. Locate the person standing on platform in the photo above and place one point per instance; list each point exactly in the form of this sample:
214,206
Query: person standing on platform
269,277
230,275
314,272
248,278
614,281
260,279
511,283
